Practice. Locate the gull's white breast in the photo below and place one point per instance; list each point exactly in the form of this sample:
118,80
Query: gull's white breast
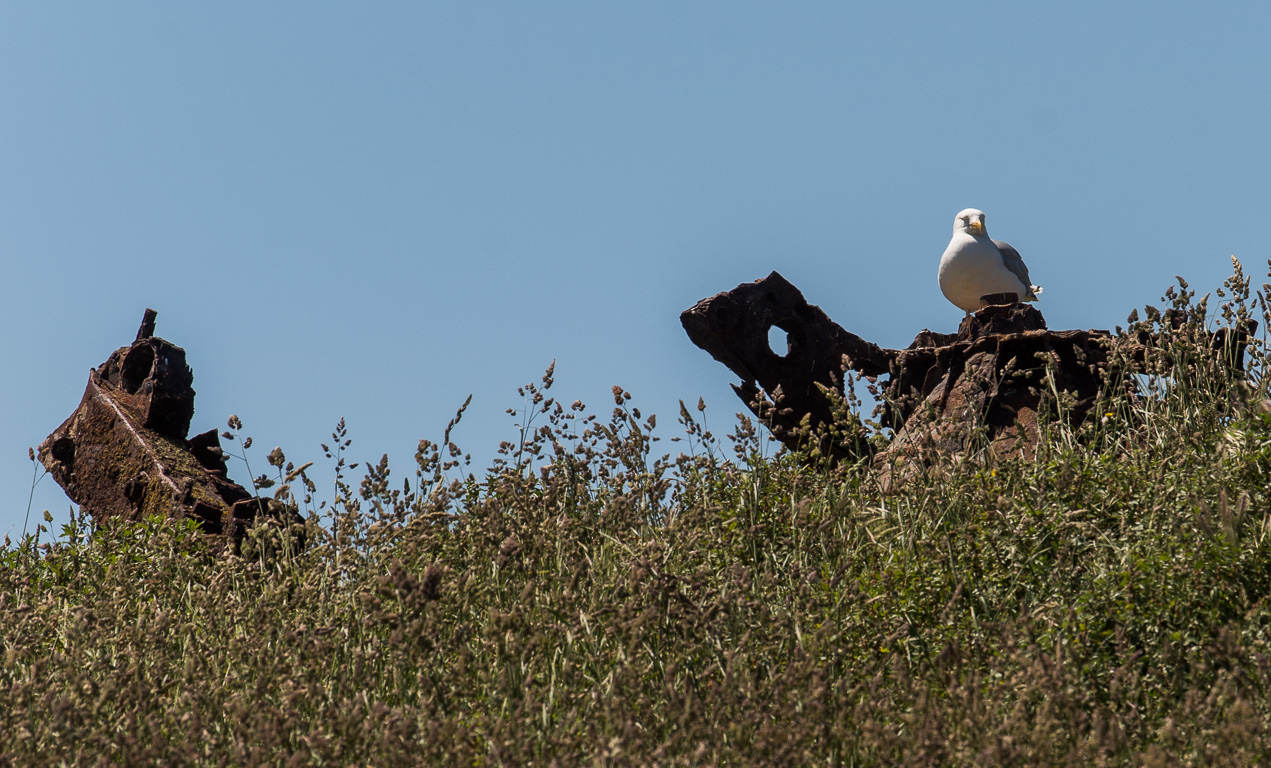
972,267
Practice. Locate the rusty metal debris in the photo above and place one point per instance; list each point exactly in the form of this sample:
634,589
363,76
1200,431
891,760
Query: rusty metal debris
785,391
981,387
123,453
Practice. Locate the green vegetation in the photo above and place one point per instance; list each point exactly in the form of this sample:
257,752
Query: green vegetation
598,597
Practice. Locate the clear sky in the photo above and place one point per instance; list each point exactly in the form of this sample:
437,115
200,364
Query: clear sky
373,210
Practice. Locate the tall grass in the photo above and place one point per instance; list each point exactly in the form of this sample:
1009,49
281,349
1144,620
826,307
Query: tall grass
600,597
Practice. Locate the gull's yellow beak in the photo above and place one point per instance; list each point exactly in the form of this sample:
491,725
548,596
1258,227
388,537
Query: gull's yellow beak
976,227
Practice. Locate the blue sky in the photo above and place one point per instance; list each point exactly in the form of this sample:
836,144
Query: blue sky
371,211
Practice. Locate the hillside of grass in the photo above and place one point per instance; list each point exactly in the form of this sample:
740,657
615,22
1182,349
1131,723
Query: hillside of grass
617,592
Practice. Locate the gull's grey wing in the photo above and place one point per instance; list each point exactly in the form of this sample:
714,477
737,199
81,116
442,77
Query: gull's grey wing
1015,263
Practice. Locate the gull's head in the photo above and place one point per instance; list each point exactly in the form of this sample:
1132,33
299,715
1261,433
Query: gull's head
971,221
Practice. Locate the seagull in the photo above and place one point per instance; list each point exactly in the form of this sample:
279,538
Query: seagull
974,266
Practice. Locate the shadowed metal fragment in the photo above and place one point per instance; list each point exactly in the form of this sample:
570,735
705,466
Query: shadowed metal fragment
733,327
949,395
123,453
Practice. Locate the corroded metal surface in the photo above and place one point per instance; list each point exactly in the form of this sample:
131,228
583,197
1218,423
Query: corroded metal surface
123,453
951,394
733,327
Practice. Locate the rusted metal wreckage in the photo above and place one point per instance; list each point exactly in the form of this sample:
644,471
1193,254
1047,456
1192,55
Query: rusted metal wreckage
945,394
123,453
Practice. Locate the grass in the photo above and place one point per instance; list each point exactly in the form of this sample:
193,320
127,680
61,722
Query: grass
596,599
